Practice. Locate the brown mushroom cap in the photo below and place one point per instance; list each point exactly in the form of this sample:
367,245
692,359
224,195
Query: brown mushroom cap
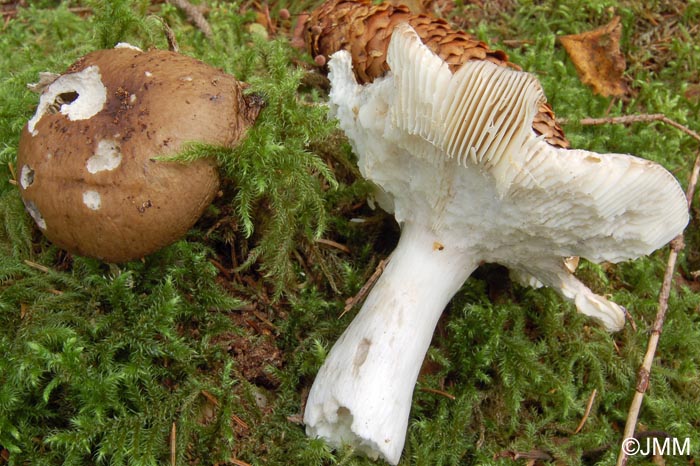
87,160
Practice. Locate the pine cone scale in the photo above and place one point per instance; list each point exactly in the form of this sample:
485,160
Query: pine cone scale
365,30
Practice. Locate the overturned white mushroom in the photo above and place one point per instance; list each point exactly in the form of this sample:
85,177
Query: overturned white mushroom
457,161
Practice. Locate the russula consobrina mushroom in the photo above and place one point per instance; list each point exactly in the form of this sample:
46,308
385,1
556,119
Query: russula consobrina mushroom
89,167
457,161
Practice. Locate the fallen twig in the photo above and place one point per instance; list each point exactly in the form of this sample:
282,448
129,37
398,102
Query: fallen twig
645,369
11,13
629,119
238,462
195,15
527,455
324,268
438,392
39,267
13,175
221,268
586,413
240,422
211,398
266,321
351,302
215,402
173,445
333,244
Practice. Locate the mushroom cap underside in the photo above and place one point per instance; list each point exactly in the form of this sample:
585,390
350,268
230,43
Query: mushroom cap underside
476,123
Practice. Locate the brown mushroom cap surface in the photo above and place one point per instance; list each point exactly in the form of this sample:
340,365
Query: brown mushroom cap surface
89,173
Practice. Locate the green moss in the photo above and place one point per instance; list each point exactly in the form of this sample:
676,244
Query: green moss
99,362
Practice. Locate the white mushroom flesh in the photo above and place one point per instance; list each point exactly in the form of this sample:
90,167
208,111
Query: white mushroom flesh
87,92
362,395
126,45
92,200
35,214
455,158
107,157
26,176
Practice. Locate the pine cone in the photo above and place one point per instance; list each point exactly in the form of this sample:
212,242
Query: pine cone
365,29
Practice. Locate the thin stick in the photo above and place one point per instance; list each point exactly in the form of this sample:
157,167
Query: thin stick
13,175
12,172
265,320
39,267
438,392
351,302
238,462
586,413
524,455
693,181
169,34
75,10
333,244
195,15
170,37
645,370
241,423
173,445
628,119
214,401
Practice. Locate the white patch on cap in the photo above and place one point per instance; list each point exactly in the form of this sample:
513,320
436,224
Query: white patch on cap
126,45
26,176
148,74
36,215
91,96
107,157
92,200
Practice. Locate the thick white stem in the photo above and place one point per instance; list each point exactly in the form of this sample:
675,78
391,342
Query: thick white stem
362,394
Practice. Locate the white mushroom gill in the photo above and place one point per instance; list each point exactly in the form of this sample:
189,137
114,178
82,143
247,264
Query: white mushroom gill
456,160
90,96
107,157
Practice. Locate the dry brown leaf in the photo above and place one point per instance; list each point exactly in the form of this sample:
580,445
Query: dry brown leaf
597,57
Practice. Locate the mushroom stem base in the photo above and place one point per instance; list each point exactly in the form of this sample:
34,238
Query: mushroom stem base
362,394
